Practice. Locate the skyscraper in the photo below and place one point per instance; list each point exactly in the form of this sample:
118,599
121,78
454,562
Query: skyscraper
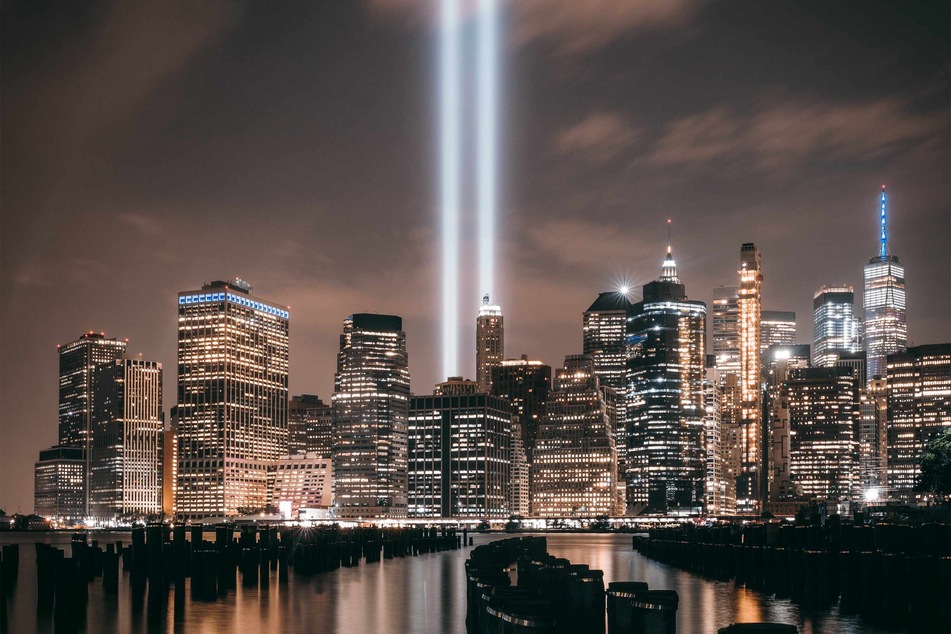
666,335
885,329
490,343
725,330
823,416
574,469
460,456
919,406
371,414
751,483
718,496
778,363
873,430
604,326
526,385
77,360
836,330
309,426
778,329
232,398
126,462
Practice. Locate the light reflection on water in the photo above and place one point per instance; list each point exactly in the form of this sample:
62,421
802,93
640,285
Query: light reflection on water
424,594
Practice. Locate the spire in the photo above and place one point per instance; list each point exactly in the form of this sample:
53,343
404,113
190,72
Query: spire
884,235
669,271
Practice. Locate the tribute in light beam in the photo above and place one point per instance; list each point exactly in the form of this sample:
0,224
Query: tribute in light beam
449,56
488,130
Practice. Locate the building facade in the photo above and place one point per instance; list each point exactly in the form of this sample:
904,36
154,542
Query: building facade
232,398
778,362
718,496
778,328
751,481
667,457
126,464
59,484
77,362
526,384
873,434
302,481
836,329
309,426
371,417
574,467
490,343
823,418
919,406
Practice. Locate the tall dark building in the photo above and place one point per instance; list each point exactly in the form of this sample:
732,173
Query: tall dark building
126,464
778,363
459,456
232,398
526,385
371,416
665,374
77,361
603,331
919,406
309,426
823,419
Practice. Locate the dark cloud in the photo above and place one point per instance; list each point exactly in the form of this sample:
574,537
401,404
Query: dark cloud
149,147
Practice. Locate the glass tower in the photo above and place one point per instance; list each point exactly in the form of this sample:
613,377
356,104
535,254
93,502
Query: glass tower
666,336
752,477
371,415
778,329
232,398
836,330
884,301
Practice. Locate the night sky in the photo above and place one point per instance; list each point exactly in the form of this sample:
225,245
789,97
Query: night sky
150,147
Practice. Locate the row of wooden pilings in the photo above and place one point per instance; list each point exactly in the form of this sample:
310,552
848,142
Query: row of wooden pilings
556,596
160,556
895,575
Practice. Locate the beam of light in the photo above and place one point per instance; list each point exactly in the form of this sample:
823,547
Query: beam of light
487,152
449,150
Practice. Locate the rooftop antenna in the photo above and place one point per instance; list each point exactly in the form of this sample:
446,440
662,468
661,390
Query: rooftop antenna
884,236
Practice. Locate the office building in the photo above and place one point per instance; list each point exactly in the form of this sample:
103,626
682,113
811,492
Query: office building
725,329
751,481
574,467
169,471
666,335
77,360
718,496
823,418
490,343
232,398
886,331
777,328
302,482
460,456
126,464
603,330
59,484
873,434
371,416
526,384
309,426
456,385
778,362
836,329
919,406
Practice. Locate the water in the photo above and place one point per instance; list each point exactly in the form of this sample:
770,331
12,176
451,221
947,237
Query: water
424,594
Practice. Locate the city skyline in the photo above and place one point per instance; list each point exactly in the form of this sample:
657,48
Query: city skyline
114,257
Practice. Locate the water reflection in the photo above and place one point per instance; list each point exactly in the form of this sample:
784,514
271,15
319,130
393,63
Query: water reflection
424,594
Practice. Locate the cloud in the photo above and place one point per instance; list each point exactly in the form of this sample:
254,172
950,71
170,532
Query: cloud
576,27
779,134
572,27
599,137
140,222
581,242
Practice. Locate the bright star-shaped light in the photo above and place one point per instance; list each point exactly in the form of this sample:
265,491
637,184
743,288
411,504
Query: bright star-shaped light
624,290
